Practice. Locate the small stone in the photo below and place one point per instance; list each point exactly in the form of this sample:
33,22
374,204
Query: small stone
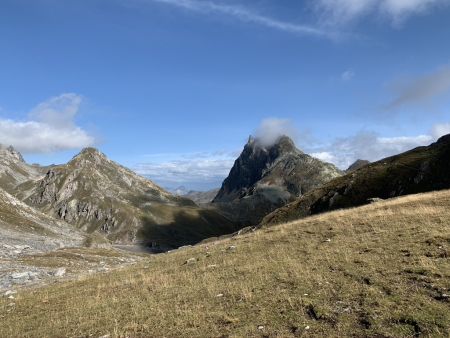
60,272
190,261
11,297
328,240
231,248
261,327
307,327
305,294
219,295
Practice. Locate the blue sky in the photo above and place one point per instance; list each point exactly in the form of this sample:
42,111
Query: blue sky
173,88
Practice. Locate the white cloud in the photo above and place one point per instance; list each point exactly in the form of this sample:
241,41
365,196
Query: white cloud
272,128
246,15
439,130
325,156
372,147
338,12
49,128
196,170
347,75
422,89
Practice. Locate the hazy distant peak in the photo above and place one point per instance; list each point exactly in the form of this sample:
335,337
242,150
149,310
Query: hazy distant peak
357,164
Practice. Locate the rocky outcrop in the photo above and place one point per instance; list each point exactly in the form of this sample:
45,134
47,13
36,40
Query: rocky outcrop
14,171
419,170
264,178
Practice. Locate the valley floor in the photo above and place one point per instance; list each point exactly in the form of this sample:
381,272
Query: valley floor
381,270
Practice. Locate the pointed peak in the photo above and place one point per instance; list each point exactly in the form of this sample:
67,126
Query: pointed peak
90,151
280,141
11,152
90,155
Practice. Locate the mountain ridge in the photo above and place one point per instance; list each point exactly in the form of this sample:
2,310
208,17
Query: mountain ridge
267,176
418,170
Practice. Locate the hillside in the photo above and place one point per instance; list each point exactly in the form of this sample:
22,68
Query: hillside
419,170
98,195
380,270
26,231
266,177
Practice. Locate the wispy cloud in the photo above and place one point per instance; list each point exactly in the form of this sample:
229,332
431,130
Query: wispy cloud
347,75
441,129
422,89
341,12
247,15
271,129
50,127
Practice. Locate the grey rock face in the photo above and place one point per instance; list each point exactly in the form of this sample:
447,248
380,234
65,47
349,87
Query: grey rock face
264,178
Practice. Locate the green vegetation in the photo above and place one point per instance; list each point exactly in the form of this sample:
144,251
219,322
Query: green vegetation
381,270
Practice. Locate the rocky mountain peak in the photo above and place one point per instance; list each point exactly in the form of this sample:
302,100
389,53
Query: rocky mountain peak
89,156
279,166
11,154
281,144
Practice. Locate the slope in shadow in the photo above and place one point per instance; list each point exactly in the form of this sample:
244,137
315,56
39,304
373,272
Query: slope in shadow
188,226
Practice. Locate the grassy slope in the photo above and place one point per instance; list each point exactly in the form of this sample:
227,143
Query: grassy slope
378,270
419,170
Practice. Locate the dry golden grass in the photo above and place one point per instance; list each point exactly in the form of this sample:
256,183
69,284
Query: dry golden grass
381,270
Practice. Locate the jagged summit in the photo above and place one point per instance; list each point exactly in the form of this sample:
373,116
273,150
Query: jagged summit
11,153
282,144
272,175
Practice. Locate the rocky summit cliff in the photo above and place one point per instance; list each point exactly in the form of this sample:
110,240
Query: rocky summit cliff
419,170
265,177
98,195
15,171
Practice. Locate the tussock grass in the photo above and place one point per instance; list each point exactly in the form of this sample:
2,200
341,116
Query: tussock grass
381,270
